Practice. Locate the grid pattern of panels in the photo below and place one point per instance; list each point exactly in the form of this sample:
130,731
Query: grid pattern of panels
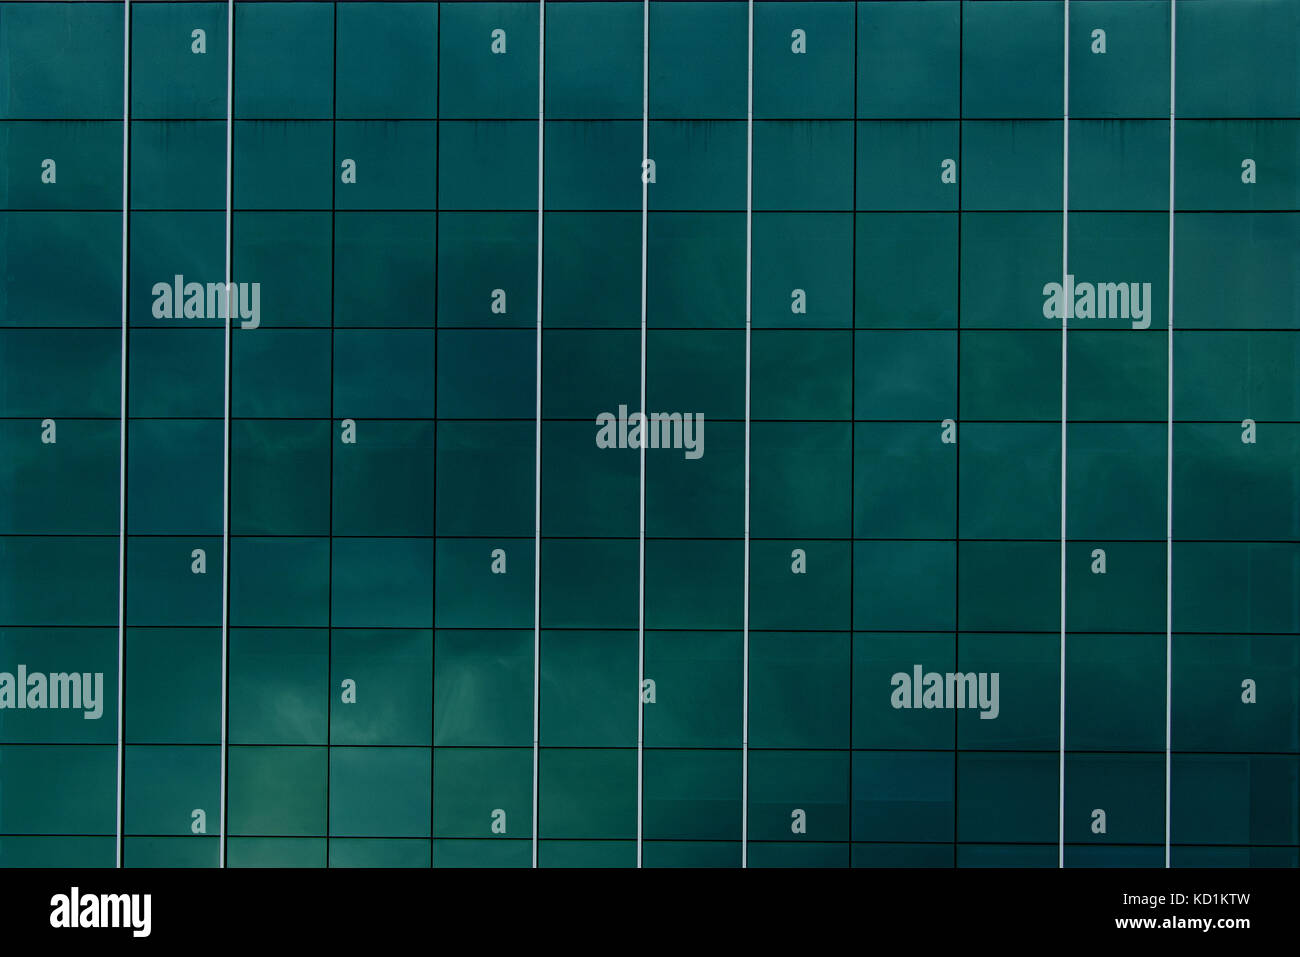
402,589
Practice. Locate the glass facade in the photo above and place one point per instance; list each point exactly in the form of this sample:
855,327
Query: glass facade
991,556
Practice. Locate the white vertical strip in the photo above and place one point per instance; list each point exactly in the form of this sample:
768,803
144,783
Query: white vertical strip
749,262
537,463
1169,446
640,614
1065,349
225,435
121,452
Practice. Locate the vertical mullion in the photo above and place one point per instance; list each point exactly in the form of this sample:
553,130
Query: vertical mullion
537,461
1065,349
956,518
121,487
640,620
433,623
749,261
1169,442
329,586
225,503
853,392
